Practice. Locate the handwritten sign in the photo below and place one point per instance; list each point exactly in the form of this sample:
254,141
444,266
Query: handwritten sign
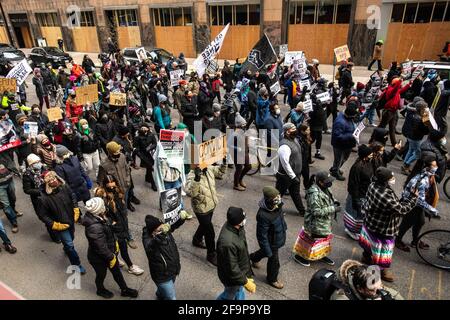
212,151
305,83
416,72
117,99
20,71
307,106
358,130
342,53
87,94
175,77
324,97
7,84
290,56
54,114
171,205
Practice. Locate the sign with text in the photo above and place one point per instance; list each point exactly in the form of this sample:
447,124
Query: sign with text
283,49
212,151
275,88
20,71
30,128
358,130
290,56
175,77
406,69
307,106
342,53
416,72
305,83
8,136
117,99
173,144
7,84
87,94
171,205
324,97
54,114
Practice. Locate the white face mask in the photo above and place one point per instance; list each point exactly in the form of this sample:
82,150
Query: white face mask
391,182
242,224
85,126
278,111
443,141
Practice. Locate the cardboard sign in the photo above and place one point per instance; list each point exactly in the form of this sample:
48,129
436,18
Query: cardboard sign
141,54
406,69
30,128
212,151
117,99
54,114
358,130
20,71
173,144
324,97
175,77
290,56
283,49
7,84
307,106
275,88
171,205
305,83
87,94
342,53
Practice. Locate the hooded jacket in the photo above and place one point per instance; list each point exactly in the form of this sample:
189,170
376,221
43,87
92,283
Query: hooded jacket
73,173
441,159
342,133
320,207
262,111
101,240
270,228
392,95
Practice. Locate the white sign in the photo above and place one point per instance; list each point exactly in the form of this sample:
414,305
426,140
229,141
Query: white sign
324,97
358,130
30,128
416,72
175,77
275,88
305,83
283,49
290,56
20,71
307,106
203,60
141,54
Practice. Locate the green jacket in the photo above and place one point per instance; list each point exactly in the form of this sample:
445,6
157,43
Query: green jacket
203,193
320,208
233,261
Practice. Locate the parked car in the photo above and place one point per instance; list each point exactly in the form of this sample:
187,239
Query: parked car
54,55
9,55
156,54
442,68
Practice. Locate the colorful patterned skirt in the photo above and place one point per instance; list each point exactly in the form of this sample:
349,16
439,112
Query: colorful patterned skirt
380,248
310,248
352,221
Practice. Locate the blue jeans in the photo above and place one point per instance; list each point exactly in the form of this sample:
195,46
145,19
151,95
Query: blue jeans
413,151
174,185
7,197
232,293
67,237
3,235
166,290
369,114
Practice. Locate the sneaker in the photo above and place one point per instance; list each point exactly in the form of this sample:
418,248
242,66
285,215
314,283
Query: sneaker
19,213
128,292
327,261
239,188
319,156
136,270
198,244
277,285
338,176
10,248
302,261
105,294
121,263
15,229
256,265
328,131
399,244
242,183
352,235
82,269
132,244
387,276
135,200
212,259
131,208
405,170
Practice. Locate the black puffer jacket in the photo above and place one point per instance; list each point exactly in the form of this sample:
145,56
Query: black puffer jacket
57,206
440,153
359,179
145,144
119,219
105,132
89,143
413,127
102,243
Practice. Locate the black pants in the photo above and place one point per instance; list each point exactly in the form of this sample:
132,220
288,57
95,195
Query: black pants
317,137
415,219
149,175
273,263
251,119
124,251
100,274
391,118
345,93
379,64
206,229
340,157
305,175
333,110
293,185
217,95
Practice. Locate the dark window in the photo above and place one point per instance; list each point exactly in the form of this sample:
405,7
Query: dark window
187,11
292,9
177,17
254,14
439,10
410,13
156,20
325,12
241,15
47,19
424,12
344,8
227,15
397,12
309,10
165,17
447,13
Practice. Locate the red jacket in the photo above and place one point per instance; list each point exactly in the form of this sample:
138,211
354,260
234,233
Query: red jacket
73,110
392,95
216,84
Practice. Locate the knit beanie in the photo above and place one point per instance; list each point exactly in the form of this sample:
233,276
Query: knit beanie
239,121
20,116
216,107
112,147
61,150
235,215
364,151
384,174
40,137
151,222
96,206
32,158
270,192
287,126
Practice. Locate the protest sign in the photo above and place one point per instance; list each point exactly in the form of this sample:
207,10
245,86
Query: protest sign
211,151
175,77
20,71
117,99
87,94
307,106
30,128
406,69
358,130
7,84
416,72
275,88
342,53
305,83
141,54
173,144
324,97
290,56
283,49
171,205
54,114
8,136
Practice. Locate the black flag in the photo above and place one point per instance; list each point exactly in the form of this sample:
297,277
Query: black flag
260,56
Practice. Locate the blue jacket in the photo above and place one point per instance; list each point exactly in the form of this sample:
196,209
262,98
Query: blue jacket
75,176
262,112
289,87
162,118
342,135
270,228
297,118
272,123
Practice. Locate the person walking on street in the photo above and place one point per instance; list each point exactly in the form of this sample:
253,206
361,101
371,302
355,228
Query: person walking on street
89,145
7,244
7,189
376,56
271,234
103,249
233,261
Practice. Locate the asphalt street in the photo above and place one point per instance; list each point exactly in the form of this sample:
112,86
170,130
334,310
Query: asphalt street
38,269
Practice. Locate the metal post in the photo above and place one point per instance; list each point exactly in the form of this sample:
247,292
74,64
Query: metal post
334,65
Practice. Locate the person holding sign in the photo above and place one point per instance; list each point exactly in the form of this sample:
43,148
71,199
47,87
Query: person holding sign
162,114
24,149
346,81
73,109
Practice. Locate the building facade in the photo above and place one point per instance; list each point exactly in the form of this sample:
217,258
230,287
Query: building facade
411,29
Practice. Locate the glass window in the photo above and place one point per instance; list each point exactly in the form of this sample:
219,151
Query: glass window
439,10
424,12
241,15
309,10
165,17
187,11
254,14
214,16
292,11
397,12
447,13
177,17
87,19
132,18
227,15
156,20
344,8
325,12
410,13
47,19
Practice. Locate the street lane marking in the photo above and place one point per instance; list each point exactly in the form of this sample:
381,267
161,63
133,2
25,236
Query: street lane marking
411,283
425,291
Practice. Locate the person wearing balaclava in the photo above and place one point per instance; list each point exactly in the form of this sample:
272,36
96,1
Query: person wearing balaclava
233,260
45,150
58,209
290,168
103,249
271,234
382,212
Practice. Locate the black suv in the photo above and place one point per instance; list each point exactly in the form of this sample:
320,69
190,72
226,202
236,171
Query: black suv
54,55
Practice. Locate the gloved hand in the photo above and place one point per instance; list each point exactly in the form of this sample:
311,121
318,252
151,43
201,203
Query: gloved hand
198,173
337,209
59,226
117,247
184,214
250,286
165,227
76,214
89,183
113,262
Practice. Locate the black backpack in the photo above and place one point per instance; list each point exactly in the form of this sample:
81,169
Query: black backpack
324,283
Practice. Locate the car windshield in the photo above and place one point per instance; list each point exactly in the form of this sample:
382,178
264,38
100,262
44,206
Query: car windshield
53,50
130,53
10,55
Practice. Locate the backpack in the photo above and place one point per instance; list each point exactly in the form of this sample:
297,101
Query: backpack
324,283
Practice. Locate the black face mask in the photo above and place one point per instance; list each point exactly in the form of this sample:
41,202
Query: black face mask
115,157
327,185
111,189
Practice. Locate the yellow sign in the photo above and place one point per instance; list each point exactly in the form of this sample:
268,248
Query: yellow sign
87,94
212,151
54,114
342,53
117,99
7,84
